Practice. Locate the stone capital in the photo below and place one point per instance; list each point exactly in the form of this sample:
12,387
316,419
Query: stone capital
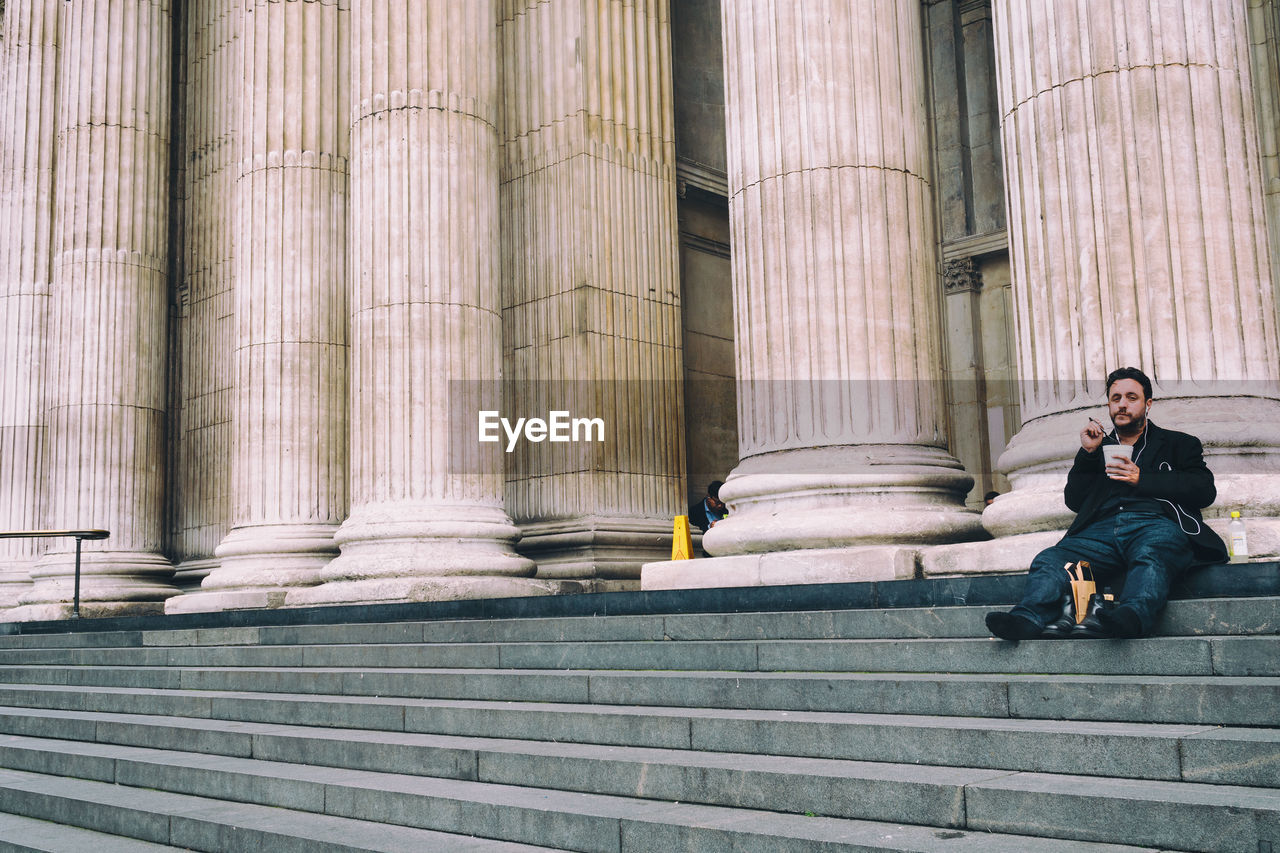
961,275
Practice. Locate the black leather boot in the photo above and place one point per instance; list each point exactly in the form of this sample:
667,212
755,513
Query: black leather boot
1060,628
1121,622
1091,627
1011,626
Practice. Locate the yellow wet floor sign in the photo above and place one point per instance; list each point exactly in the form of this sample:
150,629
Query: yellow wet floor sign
682,540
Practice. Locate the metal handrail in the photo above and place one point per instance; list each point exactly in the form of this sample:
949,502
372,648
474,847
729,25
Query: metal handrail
80,536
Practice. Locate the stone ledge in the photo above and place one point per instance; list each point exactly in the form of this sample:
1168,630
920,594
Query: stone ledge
1245,580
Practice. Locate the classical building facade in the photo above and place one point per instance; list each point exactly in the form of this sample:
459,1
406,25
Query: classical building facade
266,267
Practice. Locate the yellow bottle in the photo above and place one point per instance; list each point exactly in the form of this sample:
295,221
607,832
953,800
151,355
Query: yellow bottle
1237,541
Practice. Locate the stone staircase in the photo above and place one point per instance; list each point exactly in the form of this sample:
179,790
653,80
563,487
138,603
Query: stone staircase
854,717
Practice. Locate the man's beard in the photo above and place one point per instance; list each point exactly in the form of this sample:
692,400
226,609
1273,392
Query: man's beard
1137,423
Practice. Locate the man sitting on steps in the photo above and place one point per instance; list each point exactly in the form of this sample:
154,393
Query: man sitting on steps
1140,516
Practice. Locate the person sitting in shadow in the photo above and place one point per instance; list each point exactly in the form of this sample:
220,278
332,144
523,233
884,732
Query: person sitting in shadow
704,513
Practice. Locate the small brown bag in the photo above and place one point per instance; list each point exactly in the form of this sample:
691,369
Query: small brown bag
1082,587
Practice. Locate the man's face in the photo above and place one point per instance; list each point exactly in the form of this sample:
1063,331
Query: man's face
715,503
1128,405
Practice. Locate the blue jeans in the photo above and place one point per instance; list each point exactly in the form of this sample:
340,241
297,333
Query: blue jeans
1151,548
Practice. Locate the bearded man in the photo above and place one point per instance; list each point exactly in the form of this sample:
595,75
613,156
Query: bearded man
1136,518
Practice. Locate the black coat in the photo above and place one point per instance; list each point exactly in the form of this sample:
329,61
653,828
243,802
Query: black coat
698,515
1173,474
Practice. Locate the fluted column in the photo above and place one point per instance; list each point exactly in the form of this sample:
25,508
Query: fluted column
590,264
1137,237
288,488
840,408
105,381
205,340
30,78
426,515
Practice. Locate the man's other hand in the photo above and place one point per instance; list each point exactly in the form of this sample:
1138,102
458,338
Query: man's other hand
1123,470
1091,437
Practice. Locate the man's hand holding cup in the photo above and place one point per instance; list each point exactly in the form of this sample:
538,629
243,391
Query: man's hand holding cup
1119,462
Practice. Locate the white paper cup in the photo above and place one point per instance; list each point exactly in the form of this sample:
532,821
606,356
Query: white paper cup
1110,452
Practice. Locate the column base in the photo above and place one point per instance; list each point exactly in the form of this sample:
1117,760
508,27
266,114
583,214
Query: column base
827,565
423,552
257,565
110,581
596,547
189,574
844,497
15,579
272,555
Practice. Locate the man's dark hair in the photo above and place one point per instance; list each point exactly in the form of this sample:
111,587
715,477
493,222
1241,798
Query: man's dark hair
1129,373
990,496
714,488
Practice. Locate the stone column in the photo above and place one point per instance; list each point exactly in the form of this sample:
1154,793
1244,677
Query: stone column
107,335
590,261
426,518
1264,28
836,291
962,315
1137,237
201,501
30,88
288,488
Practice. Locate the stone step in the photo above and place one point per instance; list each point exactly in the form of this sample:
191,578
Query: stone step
1228,656
159,818
958,800
1243,757
1249,580
20,834
903,727
1197,617
1213,700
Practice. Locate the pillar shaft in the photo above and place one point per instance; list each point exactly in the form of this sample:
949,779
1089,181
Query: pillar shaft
426,510
206,337
592,306
1137,237
105,381
288,487
841,429
30,77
